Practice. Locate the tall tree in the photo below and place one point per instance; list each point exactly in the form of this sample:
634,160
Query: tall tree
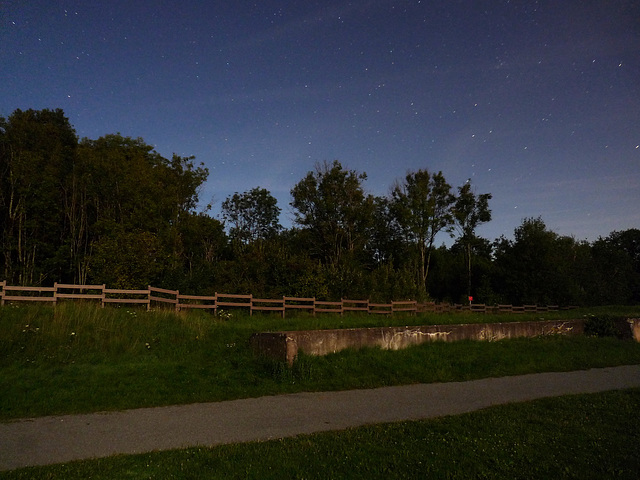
629,242
470,211
539,266
332,206
61,202
252,215
385,244
134,189
37,151
421,206
197,245
617,267
127,259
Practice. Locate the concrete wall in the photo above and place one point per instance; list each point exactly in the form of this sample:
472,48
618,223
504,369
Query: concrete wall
634,328
284,346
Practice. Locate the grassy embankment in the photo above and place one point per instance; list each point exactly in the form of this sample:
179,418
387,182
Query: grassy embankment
81,358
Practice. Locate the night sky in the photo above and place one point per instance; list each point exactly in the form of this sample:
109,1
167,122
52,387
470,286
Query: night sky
538,103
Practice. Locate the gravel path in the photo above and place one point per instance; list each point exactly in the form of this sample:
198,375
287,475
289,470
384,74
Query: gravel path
59,439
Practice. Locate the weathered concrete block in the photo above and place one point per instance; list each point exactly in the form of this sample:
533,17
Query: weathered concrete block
634,328
284,346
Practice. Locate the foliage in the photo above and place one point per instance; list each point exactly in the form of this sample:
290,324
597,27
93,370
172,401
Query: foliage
37,153
114,211
129,260
69,208
470,211
602,326
253,215
540,267
199,244
331,204
421,206
617,259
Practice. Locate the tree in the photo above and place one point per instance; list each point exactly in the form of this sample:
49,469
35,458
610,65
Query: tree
253,215
470,211
135,187
37,153
540,267
132,188
421,206
198,244
629,242
130,260
385,245
332,206
62,201
617,268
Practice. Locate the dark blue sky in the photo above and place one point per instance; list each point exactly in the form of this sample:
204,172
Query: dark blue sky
537,103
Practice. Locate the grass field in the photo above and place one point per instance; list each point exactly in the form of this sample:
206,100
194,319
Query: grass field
81,358
575,437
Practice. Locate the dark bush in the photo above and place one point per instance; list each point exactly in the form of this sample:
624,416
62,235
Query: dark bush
602,326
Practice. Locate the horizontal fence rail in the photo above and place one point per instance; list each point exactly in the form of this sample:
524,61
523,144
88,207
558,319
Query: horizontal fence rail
173,299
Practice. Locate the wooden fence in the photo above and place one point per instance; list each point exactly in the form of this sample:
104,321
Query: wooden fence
159,297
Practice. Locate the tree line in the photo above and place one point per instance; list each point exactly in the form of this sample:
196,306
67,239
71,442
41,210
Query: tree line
114,211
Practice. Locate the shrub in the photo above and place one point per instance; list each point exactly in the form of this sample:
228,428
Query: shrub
602,326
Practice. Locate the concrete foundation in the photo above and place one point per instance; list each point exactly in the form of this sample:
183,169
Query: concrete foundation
634,328
284,346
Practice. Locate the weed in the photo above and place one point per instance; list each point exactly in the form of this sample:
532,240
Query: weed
303,370
224,315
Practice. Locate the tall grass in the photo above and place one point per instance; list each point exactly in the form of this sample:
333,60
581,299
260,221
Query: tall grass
72,331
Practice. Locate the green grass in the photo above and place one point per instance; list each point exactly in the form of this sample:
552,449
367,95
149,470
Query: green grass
81,358
582,437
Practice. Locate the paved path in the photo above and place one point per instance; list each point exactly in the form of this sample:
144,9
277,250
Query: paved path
59,439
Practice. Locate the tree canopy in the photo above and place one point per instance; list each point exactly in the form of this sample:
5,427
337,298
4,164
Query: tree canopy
421,205
70,207
332,205
252,215
114,211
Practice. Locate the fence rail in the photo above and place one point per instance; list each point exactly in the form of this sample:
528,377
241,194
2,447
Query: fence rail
153,296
